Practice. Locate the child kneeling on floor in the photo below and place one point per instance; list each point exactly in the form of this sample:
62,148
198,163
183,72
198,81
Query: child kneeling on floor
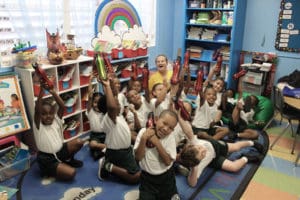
155,149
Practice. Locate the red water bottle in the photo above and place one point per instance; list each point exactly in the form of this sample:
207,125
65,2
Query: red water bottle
42,74
145,72
134,71
218,65
150,120
186,59
150,124
239,74
175,76
199,81
109,67
183,112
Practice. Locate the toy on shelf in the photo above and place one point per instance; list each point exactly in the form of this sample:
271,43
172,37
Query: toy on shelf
71,52
24,54
55,49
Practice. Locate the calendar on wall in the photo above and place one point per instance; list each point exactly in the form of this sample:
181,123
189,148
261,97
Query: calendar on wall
13,117
288,31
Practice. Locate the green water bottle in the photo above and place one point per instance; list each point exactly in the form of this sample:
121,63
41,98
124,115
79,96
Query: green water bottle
100,65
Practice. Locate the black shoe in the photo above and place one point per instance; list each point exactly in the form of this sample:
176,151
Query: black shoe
75,163
254,158
259,147
102,172
232,136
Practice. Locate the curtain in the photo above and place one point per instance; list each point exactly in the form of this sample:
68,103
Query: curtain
27,20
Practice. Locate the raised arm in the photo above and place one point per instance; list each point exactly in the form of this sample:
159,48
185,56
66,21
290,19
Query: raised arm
240,89
90,93
59,101
38,107
111,101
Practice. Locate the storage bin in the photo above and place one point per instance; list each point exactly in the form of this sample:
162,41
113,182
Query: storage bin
63,85
69,110
129,53
255,78
36,90
71,133
117,53
20,163
84,80
253,89
142,51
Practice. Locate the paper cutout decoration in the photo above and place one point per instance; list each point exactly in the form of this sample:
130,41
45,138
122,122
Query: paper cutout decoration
119,15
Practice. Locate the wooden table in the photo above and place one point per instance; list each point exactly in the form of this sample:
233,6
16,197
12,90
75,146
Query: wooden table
295,103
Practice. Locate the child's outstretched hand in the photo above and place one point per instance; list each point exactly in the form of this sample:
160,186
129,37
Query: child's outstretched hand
44,84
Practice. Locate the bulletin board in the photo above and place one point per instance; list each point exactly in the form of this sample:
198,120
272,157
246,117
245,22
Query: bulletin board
13,117
288,31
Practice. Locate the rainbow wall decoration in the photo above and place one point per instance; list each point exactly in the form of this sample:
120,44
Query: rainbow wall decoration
111,11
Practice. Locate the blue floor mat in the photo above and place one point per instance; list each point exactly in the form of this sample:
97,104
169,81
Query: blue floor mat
211,185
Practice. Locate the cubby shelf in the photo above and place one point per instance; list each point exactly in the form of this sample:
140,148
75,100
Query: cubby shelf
76,87
210,36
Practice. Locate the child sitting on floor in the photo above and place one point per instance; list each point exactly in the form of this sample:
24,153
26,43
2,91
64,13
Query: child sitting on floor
119,159
207,115
242,115
95,117
54,157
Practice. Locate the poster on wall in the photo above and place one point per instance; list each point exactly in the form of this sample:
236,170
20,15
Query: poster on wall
13,117
288,31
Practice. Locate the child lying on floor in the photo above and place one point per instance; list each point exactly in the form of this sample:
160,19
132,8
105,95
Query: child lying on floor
198,154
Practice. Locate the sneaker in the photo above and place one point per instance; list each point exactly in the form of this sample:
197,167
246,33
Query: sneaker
75,163
183,170
254,158
259,147
102,172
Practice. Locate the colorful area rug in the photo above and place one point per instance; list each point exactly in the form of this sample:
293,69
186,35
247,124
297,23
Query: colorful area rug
277,177
211,185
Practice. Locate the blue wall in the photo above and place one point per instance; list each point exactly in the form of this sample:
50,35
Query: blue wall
169,29
259,33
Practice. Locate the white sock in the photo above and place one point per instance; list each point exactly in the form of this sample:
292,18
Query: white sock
245,159
251,143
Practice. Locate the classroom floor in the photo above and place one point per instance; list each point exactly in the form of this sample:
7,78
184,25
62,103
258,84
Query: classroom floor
277,178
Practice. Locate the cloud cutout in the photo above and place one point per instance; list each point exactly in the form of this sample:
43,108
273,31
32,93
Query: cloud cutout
78,193
134,38
106,40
